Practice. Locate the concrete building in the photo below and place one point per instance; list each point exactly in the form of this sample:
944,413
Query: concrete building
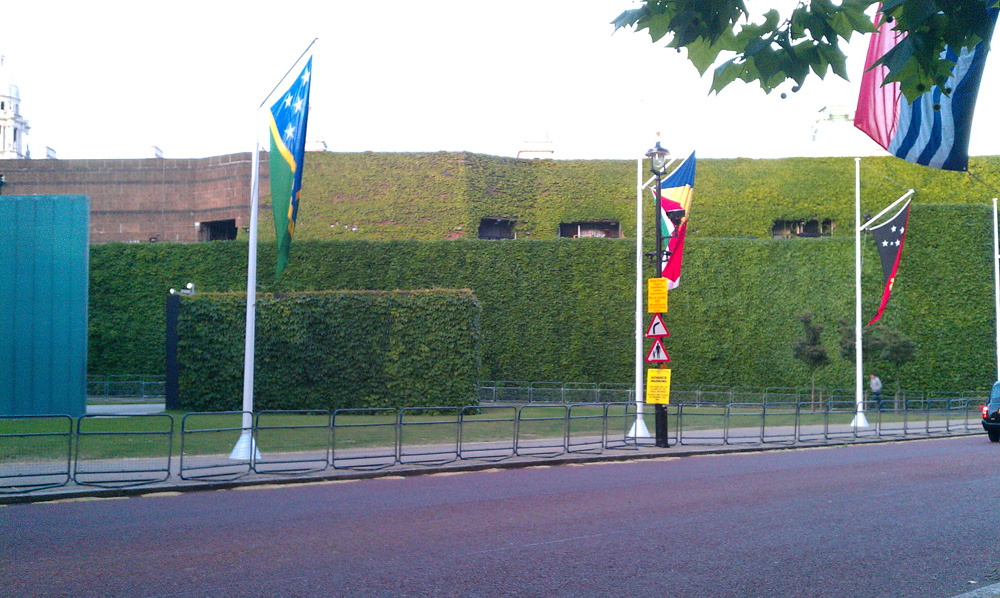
13,127
149,200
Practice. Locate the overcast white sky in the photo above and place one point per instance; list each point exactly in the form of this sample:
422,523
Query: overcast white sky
107,79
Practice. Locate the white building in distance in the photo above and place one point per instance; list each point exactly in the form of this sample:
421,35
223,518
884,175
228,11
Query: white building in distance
13,127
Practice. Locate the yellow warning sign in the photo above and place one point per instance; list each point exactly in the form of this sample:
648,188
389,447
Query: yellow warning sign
658,386
656,295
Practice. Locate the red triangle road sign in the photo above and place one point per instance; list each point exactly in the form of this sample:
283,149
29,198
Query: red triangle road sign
657,328
657,354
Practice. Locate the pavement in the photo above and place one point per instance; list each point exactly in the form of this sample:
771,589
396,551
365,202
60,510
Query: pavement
125,409
483,458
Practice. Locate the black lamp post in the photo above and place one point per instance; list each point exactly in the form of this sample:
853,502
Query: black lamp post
658,156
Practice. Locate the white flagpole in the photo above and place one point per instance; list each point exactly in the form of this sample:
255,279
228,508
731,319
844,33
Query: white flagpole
996,280
859,397
639,429
246,446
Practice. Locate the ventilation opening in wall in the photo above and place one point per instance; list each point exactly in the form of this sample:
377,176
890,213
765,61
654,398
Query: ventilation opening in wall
497,228
813,227
220,230
606,229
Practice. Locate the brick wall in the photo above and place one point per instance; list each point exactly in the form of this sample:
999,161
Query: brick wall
141,200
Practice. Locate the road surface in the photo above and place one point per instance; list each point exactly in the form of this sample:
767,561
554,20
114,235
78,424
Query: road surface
910,519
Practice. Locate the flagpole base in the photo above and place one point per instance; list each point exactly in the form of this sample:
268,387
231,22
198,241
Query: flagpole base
859,421
638,430
244,447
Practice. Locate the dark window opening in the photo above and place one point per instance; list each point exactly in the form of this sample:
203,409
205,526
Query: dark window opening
606,229
496,228
221,230
813,227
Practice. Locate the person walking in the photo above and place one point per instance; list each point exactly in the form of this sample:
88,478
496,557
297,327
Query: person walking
876,385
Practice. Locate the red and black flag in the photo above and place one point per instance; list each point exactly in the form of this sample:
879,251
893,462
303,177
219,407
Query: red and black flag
889,238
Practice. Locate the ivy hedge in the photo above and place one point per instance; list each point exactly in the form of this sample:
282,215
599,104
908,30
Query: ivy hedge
431,196
563,309
333,350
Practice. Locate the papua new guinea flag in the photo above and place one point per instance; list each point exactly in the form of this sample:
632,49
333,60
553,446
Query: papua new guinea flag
289,116
934,129
676,192
889,238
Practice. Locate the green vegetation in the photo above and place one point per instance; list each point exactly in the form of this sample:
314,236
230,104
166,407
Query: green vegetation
332,350
790,46
445,195
563,310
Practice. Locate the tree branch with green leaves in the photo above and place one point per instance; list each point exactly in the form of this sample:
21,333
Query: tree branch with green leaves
773,49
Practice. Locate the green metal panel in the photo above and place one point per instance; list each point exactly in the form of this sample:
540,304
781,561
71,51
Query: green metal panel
44,261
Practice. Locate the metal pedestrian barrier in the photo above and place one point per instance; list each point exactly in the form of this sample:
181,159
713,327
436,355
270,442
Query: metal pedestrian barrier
35,452
112,455
38,453
541,430
487,432
292,442
428,435
364,439
209,443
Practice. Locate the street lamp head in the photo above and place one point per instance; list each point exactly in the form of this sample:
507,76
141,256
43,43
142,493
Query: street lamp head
659,156
675,217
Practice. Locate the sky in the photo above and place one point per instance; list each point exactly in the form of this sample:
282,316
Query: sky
106,79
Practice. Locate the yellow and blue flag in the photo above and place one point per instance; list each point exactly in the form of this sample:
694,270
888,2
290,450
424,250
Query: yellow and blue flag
676,192
289,117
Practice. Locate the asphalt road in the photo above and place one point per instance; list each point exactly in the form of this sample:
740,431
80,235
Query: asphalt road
912,519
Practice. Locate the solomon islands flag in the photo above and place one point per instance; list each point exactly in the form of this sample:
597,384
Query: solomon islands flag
676,192
289,117
934,129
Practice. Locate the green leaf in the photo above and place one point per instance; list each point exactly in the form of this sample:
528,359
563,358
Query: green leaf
725,74
702,54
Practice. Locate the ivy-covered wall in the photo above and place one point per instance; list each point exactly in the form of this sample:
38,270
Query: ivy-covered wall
376,196
563,309
331,350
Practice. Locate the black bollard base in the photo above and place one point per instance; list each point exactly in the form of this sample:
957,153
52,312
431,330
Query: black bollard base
662,434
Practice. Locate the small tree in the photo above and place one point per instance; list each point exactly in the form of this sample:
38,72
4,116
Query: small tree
810,350
897,349
888,344
870,343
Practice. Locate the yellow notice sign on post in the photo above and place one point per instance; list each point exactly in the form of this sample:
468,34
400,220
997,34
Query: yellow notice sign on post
656,296
658,387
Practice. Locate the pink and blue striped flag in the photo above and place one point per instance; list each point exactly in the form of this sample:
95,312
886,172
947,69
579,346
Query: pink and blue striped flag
934,129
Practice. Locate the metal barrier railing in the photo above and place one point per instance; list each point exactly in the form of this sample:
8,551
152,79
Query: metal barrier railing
702,423
36,452
364,439
434,437
541,430
618,421
208,446
586,428
41,452
110,455
126,387
487,432
292,442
